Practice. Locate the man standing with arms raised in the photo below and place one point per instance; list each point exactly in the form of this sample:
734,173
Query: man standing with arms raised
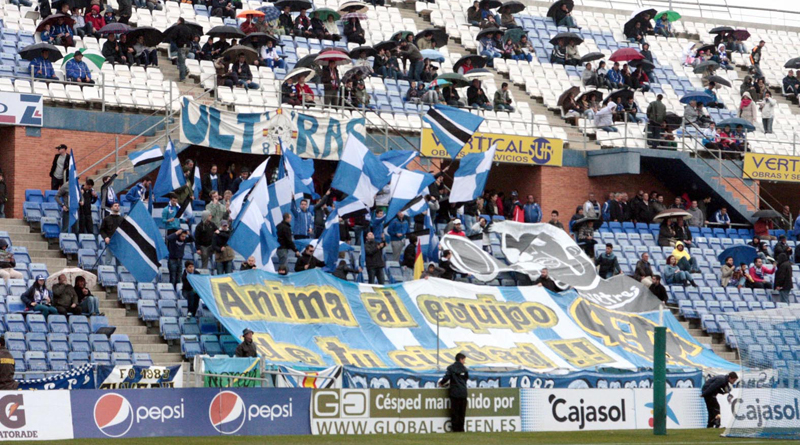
457,375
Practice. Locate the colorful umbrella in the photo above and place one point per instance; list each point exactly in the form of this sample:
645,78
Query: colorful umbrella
625,55
270,12
31,52
249,12
228,32
741,254
432,55
353,6
72,273
672,16
323,13
94,59
296,73
354,15
337,57
437,83
115,28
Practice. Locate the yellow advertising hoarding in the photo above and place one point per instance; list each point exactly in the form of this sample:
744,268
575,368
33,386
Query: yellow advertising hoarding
510,148
771,167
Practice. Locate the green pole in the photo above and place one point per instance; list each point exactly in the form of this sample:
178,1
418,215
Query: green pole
660,382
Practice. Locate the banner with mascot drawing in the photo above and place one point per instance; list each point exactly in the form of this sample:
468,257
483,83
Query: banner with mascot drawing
318,136
314,319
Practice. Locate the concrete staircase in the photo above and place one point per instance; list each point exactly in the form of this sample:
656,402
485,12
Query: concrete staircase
144,338
575,139
716,341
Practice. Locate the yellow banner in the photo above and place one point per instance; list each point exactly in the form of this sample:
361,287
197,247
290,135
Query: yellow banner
510,148
771,167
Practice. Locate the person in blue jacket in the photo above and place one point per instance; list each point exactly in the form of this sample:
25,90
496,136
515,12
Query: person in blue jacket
302,220
376,225
77,71
170,215
138,192
398,229
533,213
42,67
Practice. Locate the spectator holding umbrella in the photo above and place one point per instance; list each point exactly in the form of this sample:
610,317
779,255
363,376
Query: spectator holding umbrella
663,26
563,16
42,67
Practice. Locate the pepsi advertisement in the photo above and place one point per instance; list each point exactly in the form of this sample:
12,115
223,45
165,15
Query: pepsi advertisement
101,414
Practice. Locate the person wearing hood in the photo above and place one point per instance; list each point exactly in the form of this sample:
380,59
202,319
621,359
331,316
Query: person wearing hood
89,304
685,261
783,278
674,275
38,298
747,109
603,119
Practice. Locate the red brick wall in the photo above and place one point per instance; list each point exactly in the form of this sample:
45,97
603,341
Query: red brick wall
27,160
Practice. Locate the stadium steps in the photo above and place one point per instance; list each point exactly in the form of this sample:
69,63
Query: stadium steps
38,249
574,137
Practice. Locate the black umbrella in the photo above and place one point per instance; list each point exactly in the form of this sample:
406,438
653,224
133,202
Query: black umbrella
258,39
152,36
573,91
642,64
386,45
355,70
294,5
115,28
233,53
53,19
702,67
624,93
630,24
357,52
491,4
793,63
568,36
229,32
582,221
707,48
400,36
477,62
673,120
31,52
641,12
557,5
440,36
591,57
595,95
720,81
169,33
488,32
721,29
308,61
767,214
513,7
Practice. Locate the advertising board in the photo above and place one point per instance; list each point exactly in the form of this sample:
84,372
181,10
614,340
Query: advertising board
35,415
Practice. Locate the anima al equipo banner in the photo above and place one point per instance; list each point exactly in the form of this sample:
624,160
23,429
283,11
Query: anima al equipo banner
308,135
510,148
314,319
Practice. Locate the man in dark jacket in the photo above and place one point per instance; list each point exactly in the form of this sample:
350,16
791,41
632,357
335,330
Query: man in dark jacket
546,282
211,183
108,226
457,376
374,259
247,348
643,271
285,239
321,211
783,277
330,81
410,252
88,197
244,77
112,51
607,264
721,384
7,368
342,269
65,299
204,237
658,289
782,247
176,244
188,291
447,265
183,39
58,171
306,260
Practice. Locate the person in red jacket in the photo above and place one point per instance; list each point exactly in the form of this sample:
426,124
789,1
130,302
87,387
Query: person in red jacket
96,20
457,229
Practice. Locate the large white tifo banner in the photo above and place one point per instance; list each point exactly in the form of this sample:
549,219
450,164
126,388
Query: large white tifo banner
308,135
35,415
607,409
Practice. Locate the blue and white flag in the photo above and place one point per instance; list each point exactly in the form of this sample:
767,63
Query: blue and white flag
152,154
138,244
253,237
281,196
170,175
197,183
360,173
301,171
470,178
395,160
407,185
74,192
238,200
327,248
452,127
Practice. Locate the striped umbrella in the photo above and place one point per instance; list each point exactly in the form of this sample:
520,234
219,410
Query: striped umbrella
354,15
94,59
353,6
337,57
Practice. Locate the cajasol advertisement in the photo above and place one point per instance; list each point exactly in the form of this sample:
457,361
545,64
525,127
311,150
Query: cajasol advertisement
410,411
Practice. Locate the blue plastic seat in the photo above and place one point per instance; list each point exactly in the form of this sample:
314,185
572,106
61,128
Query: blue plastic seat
97,321
36,323
36,341
121,343
121,359
68,243
101,358
58,342
148,310
190,346
57,361
31,195
99,343
58,324
79,324
50,227
15,323
211,345
166,291
107,276
36,361
208,325
32,212
142,359
169,328
147,291
189,326
168,308
127,293
78,358
79,342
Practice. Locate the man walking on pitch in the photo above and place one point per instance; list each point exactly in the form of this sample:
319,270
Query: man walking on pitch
721,384
457,375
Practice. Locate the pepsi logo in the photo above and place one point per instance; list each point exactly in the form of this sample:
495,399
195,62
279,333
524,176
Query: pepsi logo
113,415
227,412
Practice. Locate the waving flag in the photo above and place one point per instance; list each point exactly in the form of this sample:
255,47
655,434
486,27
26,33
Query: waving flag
152,154
253,237
237,200
470,178
74,192
301,172
138,245
327,248
452,127
170,175
281,195
406,185
419,264
360,173
395,160
197,183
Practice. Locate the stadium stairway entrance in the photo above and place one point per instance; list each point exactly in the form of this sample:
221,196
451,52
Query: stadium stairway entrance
575,140
143,337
